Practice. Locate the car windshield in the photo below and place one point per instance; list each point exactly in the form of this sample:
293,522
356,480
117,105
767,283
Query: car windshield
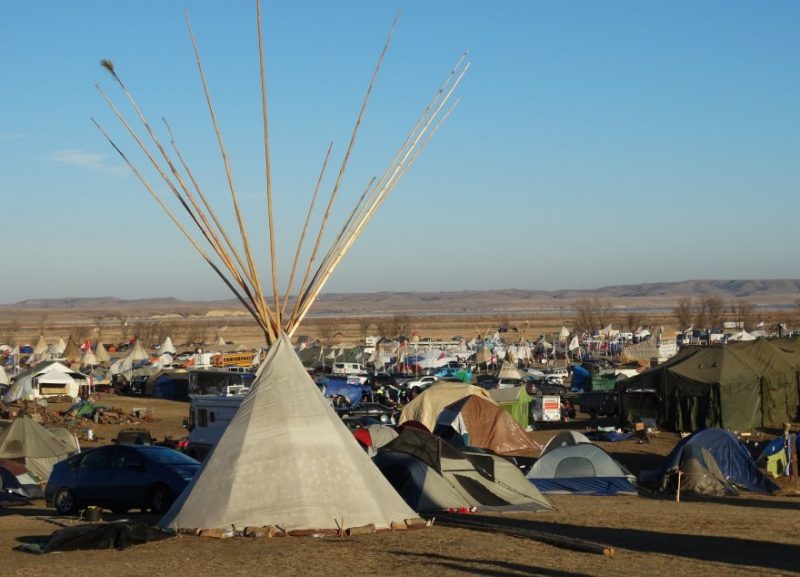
169,457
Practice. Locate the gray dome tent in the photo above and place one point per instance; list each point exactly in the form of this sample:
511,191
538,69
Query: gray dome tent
580,469
433,476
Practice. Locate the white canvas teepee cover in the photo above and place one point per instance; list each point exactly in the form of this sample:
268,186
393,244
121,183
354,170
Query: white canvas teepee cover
101,354
137,352
286,459
168,347
41,346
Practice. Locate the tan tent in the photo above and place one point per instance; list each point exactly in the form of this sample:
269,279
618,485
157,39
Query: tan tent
61,346
287,459
101,354
3,376
479,422
509,371
426,407
28,440
40,347
168,347
72,352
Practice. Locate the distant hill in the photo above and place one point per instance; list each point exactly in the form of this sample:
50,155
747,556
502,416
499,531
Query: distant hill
663,295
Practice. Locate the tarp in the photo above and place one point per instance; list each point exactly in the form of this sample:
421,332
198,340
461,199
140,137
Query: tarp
118,535
427,406
712,462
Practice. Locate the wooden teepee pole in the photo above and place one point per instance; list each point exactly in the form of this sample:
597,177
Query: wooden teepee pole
268,167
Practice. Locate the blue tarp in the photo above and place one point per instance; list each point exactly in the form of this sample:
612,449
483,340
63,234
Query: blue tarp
604,486
581,377
731,456
336,386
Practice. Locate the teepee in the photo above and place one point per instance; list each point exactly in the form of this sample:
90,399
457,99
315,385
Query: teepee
101,354
168,347
285,459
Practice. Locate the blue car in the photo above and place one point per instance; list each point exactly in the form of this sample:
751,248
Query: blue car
120,478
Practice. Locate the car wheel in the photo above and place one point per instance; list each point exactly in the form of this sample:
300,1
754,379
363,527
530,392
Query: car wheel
64,502
160,499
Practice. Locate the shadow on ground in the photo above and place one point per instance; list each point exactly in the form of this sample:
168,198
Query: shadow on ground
731,550
487,567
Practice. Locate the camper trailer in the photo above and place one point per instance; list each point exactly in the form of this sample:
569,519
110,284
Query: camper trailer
209,415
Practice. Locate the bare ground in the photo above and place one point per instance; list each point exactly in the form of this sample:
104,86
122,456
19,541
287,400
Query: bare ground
747,535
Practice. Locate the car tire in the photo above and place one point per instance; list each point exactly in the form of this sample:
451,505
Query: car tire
160,499
64,502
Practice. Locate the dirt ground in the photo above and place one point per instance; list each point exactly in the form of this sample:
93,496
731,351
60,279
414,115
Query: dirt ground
746,535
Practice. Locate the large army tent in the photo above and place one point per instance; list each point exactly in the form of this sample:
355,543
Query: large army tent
478,422
427,406
739,386
431,476
583,469
712,462
40,449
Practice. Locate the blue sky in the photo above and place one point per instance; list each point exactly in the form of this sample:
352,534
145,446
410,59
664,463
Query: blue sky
596,143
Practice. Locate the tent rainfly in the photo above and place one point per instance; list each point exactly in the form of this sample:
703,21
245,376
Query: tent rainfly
284,434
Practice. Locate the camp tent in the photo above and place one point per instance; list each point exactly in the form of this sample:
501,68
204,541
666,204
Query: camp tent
516,401
508,370
26,481
45,379
101,354
580,469
432,475
739,386
168,347
40,449
476,421
426,407
286,435
712,462
563,439
285,458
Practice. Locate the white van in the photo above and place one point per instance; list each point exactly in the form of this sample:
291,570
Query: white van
348,369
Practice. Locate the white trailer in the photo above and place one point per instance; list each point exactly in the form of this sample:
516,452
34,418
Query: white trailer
209,415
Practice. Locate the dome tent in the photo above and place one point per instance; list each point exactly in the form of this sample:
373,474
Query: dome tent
584,469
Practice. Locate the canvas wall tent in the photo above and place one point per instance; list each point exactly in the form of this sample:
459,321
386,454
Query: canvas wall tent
516,401
426,407
46,379
3,376
740,386
582,469
712,462
479,422
432,476
40,449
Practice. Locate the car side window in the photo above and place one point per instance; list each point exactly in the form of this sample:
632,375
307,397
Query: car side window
127,459
97,459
